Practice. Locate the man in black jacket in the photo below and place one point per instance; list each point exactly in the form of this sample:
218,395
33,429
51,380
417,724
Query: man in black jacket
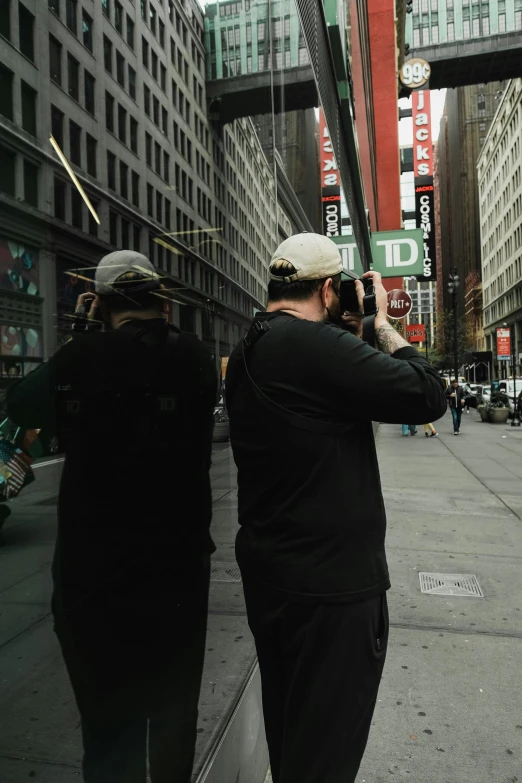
456,398
311,543
134,409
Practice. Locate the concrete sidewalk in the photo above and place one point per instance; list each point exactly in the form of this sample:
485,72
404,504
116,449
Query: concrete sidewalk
450,709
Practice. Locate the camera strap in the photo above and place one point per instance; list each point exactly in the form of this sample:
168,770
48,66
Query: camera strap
370,310
256,331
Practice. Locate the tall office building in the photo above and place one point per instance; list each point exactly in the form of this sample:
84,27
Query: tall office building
500,194
435,22
468,114
120,85
240,37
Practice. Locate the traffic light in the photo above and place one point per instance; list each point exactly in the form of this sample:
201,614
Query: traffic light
409,6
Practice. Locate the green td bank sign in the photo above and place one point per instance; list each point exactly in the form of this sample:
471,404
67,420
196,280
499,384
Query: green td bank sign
395,253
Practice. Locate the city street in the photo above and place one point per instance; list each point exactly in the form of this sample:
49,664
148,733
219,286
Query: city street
448,708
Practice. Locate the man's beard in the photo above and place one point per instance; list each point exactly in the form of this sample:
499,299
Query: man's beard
333,314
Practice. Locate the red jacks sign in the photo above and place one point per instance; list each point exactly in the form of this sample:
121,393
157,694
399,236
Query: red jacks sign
330,182
416,333
422,143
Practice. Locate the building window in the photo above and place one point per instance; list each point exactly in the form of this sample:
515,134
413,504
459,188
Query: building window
122,124
161,34
144,52
55,60
451,31
125,226
130,32
152,19
109,112
71,15
485,25
518,20
111,170
159,207
6,92
89,85
106,7
91,155
135,190
30,183
150,200
482,126
26,29
132,83
120,69
118,17
57,125
166,167
107,54
476,27
143,4
136,237
28,109
502,23
157,158
155,110
87,30
113,228
146,100
5,20
148,149
124,180
75,143
467,28
7,167
154,66
134,135
76,209
416,37
73,77
163,81
60,195
165,121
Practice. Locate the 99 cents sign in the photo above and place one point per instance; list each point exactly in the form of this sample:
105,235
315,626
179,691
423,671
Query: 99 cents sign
415,73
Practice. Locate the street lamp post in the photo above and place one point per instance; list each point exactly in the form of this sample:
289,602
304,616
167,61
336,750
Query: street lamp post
453,285
516,421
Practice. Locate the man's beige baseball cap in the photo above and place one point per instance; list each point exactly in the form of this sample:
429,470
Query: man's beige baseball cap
313,256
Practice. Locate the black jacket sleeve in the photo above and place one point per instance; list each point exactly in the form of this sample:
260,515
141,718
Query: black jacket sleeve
31,401
391,389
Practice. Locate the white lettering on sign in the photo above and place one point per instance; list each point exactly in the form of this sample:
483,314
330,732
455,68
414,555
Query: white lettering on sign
423,155
328,163
332,220
416,73
348,255
392,249
425,224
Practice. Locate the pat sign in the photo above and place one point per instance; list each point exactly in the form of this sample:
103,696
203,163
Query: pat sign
394,253
399,303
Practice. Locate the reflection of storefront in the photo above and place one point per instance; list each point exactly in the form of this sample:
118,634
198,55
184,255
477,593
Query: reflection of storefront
20,311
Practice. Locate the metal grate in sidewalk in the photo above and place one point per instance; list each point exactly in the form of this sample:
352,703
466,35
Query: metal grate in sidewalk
457,585
225,572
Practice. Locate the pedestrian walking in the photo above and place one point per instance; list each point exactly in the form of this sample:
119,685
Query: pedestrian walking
455,396
133,405
430,431
312,524
467,397
408,427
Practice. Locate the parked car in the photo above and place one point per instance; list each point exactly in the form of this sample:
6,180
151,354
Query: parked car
483,395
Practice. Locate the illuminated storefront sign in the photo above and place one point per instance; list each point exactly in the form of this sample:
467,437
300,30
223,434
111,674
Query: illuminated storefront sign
330,182
423,172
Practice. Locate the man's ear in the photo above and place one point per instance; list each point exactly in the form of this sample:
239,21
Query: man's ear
326,287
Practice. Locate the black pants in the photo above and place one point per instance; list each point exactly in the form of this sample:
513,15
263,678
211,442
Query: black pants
137,682
321,667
